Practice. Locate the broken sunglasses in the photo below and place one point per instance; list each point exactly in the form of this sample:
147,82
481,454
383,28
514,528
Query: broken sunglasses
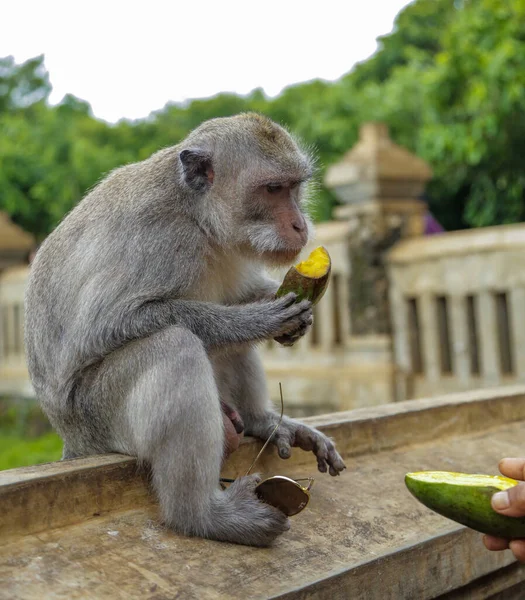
286,494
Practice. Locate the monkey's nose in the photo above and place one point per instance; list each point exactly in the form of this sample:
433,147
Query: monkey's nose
299,226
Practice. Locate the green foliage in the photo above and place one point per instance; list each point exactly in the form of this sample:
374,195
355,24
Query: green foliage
17,451
22,86
475,133
417,36
25,434
449,81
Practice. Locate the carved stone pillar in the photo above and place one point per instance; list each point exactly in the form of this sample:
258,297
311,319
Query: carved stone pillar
379,185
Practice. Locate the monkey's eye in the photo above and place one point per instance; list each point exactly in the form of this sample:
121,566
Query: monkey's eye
274,188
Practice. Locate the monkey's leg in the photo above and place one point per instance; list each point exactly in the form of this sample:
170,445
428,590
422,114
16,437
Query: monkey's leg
171,418
249,393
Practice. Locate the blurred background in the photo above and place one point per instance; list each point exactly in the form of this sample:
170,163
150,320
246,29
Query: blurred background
416,112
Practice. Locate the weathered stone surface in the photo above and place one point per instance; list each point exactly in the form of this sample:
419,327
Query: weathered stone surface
362,537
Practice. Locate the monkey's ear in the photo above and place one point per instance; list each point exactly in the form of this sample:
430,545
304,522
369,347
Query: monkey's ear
197,168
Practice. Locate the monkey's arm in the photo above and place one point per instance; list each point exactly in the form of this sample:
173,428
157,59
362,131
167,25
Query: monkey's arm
216,325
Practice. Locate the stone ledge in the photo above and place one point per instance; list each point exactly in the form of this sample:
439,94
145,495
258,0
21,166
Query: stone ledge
88,528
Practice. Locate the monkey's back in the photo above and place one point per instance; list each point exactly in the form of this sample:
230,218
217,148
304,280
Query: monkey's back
125,242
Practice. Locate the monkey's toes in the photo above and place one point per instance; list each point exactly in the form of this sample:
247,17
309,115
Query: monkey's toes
270,526
245,486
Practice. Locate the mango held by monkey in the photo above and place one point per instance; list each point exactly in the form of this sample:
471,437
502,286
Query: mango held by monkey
144,308
309,278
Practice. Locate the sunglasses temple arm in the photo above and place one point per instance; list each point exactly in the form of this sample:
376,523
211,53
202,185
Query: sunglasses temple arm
310,480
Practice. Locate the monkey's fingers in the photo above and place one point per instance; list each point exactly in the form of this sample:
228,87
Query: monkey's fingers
321,452
283,442
296,317
288,300
335,462
289,339
328,459
310,440
321,464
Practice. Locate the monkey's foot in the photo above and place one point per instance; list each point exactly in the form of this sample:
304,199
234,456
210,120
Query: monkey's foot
249,521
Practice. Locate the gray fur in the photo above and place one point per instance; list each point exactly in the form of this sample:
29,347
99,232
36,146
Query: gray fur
143,307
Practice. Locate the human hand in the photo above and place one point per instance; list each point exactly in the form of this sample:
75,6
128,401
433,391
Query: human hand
510,503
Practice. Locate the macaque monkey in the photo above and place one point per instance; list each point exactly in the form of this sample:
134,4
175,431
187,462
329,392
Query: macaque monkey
144,308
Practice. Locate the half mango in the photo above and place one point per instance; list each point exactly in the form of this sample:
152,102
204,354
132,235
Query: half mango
465,498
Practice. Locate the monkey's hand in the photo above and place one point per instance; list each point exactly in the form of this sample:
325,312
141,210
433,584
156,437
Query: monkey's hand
294,328
291,433
294,434
289,339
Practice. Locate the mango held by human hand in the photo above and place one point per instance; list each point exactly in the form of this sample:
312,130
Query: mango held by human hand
465,498
309,278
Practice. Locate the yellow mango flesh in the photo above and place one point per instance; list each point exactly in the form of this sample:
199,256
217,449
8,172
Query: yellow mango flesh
469,479
316,265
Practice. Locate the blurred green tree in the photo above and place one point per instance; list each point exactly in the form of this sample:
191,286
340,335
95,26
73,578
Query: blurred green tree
449,81
22,85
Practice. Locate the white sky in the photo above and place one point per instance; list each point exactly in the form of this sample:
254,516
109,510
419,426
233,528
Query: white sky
128,58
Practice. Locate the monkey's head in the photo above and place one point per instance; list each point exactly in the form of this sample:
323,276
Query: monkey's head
248,179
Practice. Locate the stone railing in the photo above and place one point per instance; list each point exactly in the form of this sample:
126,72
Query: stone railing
458,311
456,305
13,371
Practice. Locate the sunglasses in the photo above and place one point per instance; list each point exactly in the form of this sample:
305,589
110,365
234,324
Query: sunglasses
286,494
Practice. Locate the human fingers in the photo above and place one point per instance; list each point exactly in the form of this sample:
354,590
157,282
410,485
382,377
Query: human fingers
513,467
518,549
495,543
510,502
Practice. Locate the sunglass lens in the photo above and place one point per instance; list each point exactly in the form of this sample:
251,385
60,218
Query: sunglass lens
284,494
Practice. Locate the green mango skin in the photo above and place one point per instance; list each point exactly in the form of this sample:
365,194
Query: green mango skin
468,505
306,288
